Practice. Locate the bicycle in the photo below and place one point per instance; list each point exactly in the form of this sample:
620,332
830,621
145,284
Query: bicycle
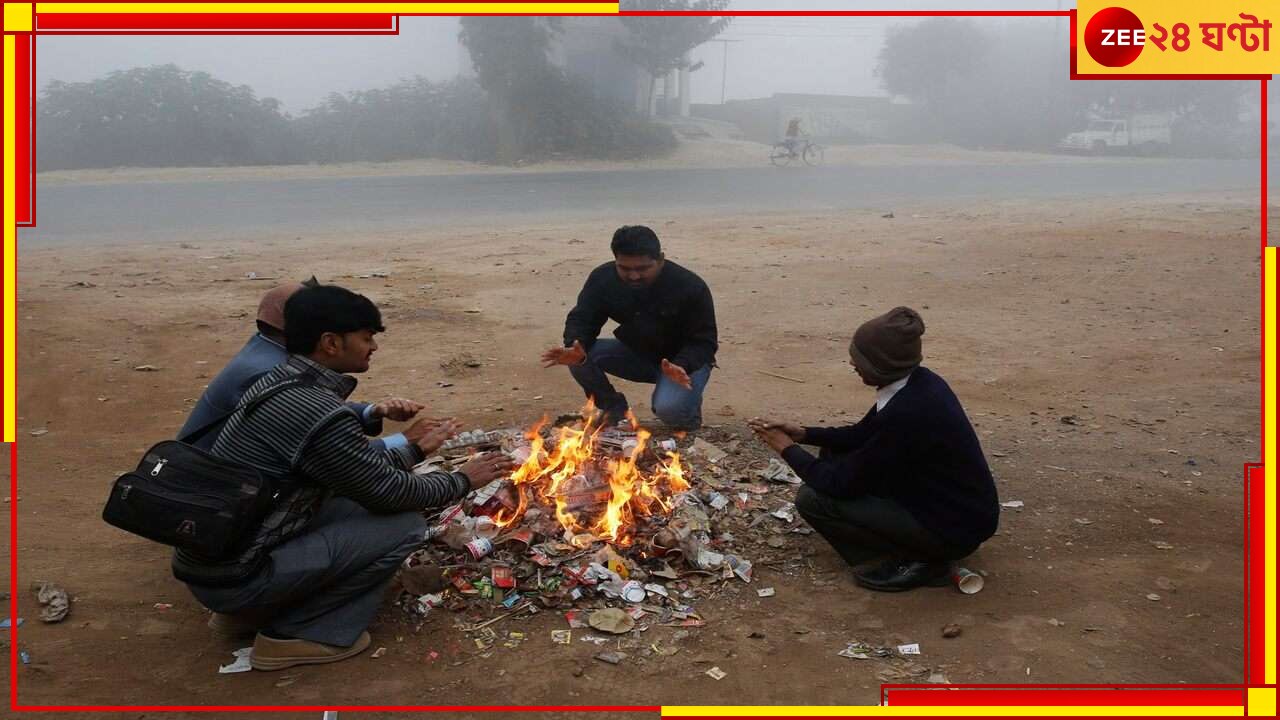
811,153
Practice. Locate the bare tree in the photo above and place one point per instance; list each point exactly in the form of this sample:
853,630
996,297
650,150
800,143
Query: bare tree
661,43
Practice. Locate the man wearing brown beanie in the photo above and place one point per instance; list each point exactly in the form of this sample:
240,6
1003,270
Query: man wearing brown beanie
908,483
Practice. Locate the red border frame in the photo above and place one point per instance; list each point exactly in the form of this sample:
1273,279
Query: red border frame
973,694
1059,695
24,142
172,23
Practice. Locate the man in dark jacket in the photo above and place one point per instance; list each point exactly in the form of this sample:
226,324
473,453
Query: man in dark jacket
311,576
666,332
908,481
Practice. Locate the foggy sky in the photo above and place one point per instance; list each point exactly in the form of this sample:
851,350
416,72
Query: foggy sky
770,54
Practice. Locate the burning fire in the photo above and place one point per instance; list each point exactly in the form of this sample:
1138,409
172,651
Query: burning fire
577,477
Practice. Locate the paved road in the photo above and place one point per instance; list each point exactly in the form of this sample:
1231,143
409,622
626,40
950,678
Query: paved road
158,211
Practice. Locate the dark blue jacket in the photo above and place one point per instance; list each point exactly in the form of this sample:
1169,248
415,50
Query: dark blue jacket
920,451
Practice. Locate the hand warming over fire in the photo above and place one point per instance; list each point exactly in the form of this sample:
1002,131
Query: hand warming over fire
676,374
773,436
398,409
572,355
430,433
793,431
487,467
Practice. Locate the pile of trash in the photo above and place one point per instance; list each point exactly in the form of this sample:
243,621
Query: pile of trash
504,552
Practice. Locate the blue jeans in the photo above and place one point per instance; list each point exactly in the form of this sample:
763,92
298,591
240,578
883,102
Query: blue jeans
673,405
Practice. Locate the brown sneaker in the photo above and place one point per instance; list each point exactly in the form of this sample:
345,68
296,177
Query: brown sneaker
232,627
271,654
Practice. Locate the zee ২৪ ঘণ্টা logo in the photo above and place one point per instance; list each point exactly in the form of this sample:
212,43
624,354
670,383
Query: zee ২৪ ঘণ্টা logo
1114,37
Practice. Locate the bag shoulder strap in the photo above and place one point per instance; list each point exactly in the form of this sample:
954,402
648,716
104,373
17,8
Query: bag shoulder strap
301,380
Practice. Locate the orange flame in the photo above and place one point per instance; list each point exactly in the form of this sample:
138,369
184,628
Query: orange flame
550,474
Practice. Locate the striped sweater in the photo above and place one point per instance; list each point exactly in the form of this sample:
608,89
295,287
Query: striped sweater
309,440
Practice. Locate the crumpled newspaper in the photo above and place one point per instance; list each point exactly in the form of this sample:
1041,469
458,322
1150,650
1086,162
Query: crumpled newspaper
780,472
55,601
863,651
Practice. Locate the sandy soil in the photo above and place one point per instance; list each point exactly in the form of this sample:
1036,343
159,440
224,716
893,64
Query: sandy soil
702,153
1106,352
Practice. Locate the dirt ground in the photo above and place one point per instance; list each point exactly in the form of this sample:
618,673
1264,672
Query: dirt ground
1107,353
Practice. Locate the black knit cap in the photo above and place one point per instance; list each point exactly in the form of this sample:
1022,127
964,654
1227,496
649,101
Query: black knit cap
887,348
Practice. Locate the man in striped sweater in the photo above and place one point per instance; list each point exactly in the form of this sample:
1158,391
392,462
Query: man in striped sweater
312,577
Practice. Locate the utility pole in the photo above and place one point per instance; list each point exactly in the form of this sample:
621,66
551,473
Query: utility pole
724,65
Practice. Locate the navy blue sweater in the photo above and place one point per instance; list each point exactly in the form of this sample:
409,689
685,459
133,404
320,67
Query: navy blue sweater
920,451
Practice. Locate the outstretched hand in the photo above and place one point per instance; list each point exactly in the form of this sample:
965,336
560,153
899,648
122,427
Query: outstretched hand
572,355
487,467
430,433
676,374
793,431
398,409
774,437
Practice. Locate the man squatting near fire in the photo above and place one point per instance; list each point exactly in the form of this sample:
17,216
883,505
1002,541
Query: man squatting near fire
312,575
666,333
908,483
263,352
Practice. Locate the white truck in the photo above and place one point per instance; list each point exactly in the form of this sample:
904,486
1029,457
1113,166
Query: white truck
1146,133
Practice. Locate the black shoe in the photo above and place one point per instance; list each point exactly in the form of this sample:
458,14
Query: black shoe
899,575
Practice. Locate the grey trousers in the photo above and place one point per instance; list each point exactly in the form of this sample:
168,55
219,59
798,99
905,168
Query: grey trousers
867,528
325,585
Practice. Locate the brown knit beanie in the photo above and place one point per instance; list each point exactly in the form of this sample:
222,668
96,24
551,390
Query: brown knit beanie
887,348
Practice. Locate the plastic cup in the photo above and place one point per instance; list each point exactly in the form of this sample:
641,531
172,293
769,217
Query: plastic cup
967,581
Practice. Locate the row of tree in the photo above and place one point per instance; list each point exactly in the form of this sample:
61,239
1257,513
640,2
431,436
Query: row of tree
520,107
164,116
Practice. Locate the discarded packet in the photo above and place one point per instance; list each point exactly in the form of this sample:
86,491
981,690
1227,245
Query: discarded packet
780,472
576,618
561,637
511,600
909,649
862,651
656,589
717,673
612,657
502,577
523,535
765,592
786,513
240,665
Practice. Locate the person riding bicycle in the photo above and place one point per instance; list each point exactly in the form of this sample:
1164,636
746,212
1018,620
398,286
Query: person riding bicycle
792,138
